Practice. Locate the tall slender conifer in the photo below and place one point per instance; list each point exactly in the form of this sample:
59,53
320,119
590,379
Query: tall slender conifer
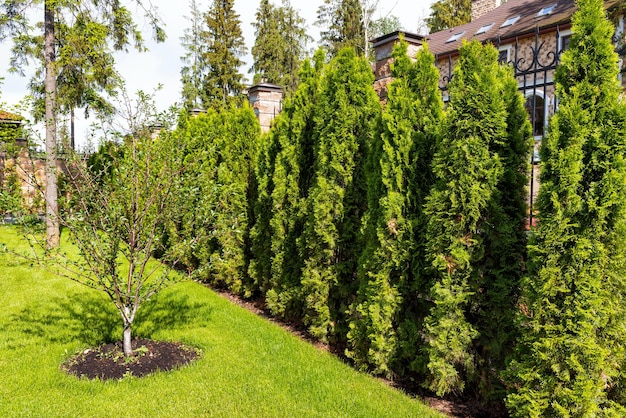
573,299
346,110
399,178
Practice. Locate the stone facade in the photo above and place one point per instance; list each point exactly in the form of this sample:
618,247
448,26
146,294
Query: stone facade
383,49
266,101
480,7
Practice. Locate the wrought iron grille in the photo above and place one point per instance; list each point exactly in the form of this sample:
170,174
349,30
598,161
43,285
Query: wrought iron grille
534,59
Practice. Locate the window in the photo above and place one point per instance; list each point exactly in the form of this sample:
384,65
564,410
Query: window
546,10
564,39
455,37
503,55
484,29
536,108
510,21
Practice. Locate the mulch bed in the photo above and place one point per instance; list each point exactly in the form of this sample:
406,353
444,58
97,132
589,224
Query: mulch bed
108,361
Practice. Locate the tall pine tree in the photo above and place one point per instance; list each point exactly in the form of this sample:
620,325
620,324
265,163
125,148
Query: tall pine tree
573,300
342,25
224,48
195,69
122,32
390,272
279,46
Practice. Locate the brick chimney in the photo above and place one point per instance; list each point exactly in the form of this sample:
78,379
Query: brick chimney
480,7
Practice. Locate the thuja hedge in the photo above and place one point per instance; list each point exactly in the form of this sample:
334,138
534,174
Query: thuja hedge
397,231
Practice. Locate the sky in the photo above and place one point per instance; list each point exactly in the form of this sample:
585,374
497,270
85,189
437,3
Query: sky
161,64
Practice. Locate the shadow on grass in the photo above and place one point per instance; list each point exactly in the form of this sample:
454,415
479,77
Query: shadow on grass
92,318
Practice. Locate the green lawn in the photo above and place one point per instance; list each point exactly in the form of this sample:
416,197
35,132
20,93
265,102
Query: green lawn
249,368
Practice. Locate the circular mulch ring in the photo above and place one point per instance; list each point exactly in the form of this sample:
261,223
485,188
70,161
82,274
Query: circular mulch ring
108,361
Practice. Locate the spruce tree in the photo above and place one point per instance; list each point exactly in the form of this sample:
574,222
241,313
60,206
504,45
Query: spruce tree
224,48
195,68
475,228
573,298
390,272
342,25
346,108
279,46
447,14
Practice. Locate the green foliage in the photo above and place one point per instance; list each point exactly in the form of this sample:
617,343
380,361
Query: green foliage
224,48
390,272
573,335
195,67
385,25
279,46
218,151
11,198
346,113
284,172
447,14
342,25
475,234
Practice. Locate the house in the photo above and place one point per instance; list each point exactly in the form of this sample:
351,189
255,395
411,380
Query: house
530,36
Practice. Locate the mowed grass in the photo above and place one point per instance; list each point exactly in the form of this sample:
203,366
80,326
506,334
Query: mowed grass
249,366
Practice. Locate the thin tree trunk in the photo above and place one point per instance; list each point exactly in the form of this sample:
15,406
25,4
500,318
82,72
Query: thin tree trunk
72,137
126,341
52,207
127,336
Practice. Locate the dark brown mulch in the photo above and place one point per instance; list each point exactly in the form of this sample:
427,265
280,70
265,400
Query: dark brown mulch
108,361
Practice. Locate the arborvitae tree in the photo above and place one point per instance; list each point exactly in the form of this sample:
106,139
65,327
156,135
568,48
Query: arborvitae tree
210,233
574,337
284,173
399,178
475,220
279,45
224,47
195,69
342,25
446,14
346,109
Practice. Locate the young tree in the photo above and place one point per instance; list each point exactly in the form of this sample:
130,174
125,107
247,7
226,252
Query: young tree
117,211
446,14
224,47
390,272
279,45
572,352
343,26
193,73
122,33
347,111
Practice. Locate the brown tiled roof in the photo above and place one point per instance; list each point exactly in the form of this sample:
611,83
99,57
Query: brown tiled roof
6,116
528,22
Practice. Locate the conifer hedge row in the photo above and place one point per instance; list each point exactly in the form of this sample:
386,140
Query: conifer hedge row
397,232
